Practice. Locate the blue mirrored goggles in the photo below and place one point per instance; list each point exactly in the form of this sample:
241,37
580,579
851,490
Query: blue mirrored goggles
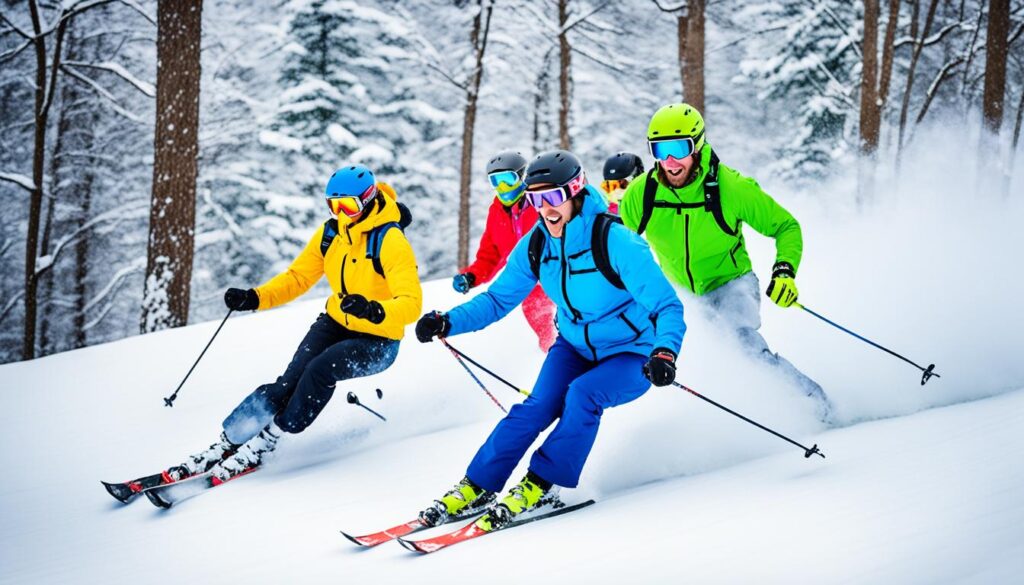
509,178
678,148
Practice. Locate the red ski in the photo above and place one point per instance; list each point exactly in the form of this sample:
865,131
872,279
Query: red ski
386,535
411,527
471,531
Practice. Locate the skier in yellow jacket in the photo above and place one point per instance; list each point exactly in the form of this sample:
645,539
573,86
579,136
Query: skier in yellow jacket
376,293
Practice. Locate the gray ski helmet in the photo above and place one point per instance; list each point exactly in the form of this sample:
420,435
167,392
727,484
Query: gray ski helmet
624,165
507,160
557,167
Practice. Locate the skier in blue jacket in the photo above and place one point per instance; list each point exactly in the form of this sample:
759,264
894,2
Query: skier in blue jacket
613,342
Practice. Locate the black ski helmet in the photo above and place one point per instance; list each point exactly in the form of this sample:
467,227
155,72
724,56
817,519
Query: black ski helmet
624,165
507,160
557,167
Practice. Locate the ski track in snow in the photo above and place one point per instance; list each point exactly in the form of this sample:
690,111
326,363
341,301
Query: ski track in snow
932,493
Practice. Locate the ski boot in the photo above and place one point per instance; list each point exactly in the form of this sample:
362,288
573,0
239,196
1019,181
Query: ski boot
249,456
530,493
201,462
465,499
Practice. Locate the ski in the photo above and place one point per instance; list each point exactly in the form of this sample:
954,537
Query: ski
471,531
165,496
125,492
370,540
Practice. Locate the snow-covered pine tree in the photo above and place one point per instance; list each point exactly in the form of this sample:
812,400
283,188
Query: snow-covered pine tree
811,62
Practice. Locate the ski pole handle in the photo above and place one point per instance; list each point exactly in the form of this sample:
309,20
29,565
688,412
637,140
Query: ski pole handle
169,401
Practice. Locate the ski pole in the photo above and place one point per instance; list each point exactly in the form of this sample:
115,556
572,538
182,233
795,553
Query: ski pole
353,399
927,372
495,376
479,383
807,451
169,401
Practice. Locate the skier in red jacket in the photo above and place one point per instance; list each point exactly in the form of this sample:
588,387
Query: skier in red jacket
508,219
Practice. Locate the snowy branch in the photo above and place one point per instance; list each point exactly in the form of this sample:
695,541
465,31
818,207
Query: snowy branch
118,213
682,5
935,38
143,86
4,57
135,6
943,74
137,265
104,93
571,25
602,62
13,302
19,180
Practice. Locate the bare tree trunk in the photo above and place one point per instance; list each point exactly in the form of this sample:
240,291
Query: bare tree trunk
869,111
564,86
995,64
478,38
693,70
1014,141
541,98
175,166
918,47
43,99
682,26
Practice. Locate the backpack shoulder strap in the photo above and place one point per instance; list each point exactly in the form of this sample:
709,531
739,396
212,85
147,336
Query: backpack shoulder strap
374,243
599,248
535,250
330,232
650,191
713,196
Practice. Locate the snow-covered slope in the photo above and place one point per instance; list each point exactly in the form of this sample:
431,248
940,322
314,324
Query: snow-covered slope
932,492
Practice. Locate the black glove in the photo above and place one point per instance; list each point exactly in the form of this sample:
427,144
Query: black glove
241,300
432,325
358,306
660,368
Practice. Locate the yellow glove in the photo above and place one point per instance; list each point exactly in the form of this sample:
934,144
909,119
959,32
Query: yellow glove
782,289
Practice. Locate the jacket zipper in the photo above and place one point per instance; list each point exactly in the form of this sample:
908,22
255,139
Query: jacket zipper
586,339
686,240
576,316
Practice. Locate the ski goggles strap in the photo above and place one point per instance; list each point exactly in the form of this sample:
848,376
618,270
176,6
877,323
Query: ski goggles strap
556,196
677,147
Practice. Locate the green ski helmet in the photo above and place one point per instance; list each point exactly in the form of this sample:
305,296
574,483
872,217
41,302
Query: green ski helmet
676,121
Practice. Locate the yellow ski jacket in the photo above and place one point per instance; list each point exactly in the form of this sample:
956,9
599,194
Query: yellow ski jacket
350,271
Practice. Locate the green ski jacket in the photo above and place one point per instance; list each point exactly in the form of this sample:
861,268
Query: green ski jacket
692,247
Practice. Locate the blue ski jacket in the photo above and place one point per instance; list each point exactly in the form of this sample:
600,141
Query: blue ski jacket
594,316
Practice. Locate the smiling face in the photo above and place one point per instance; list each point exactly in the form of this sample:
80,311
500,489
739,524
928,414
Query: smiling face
677,170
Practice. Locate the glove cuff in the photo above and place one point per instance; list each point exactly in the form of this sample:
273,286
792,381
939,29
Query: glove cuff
664,353
783,270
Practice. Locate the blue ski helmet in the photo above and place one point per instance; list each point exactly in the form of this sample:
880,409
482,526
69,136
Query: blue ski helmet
350,189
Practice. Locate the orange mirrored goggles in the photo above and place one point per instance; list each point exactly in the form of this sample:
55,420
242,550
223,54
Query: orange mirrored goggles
613,184
351,205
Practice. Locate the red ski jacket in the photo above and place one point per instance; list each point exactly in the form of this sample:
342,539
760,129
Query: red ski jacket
505,227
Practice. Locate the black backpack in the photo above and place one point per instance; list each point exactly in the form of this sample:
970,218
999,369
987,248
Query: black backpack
376,236
712,199
598,246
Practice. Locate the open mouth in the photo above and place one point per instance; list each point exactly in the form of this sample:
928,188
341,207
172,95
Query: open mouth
553,218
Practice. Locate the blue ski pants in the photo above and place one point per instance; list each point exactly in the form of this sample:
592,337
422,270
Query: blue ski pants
328,354
573,390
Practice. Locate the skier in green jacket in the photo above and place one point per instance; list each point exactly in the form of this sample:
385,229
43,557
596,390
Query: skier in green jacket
692,209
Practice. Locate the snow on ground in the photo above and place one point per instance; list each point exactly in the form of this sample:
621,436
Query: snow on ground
934,492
